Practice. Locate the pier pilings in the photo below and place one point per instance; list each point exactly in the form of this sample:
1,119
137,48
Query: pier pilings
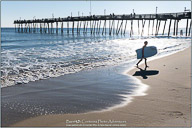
105,24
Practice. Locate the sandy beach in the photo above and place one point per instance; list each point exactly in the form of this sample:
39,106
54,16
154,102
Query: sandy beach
167,102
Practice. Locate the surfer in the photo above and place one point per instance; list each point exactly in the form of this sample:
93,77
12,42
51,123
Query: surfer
145,44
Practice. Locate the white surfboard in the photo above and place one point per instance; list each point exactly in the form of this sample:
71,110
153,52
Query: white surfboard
148,52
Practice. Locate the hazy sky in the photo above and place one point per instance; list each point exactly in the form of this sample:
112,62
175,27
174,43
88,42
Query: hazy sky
12,10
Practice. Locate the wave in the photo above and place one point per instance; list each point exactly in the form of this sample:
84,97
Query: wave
36,63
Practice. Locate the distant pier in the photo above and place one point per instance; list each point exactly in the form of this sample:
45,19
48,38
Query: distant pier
94,23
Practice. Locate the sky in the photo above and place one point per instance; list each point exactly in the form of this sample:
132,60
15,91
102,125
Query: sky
14,10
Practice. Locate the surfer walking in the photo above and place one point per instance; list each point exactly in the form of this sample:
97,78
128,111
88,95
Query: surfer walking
145,44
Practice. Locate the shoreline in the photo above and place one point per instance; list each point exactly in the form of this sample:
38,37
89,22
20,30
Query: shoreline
82,92
167,102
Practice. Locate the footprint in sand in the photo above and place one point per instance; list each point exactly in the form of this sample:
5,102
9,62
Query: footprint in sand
175,113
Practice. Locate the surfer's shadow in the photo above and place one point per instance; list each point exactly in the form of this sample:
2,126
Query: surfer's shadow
144,72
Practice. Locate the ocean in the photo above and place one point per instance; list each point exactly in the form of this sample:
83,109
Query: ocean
29,57
44,74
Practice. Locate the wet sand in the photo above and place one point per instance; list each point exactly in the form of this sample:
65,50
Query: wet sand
167,102
82,92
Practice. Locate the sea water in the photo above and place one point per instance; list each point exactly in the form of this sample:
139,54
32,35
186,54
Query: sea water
102,86
29,57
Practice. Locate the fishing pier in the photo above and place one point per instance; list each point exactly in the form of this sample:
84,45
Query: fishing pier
97,24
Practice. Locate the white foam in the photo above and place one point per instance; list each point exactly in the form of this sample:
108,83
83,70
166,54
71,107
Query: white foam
22,66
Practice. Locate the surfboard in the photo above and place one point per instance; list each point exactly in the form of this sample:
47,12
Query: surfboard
148,52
